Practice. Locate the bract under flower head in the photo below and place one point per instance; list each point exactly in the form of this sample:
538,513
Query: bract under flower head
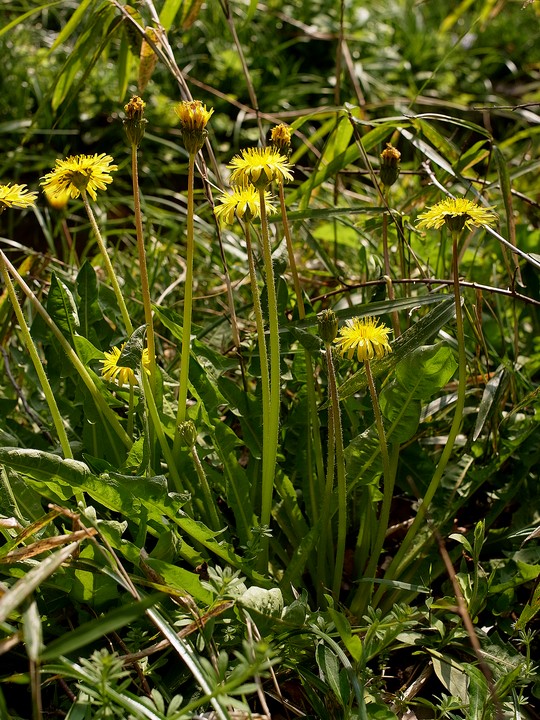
114,372
79,173
456,213
365,338
244,203
134,122
16,196
259,167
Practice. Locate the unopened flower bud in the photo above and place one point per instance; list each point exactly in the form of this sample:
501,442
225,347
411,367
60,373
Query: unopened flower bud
193,120
328,326
390,158
134,122
188,432
280,138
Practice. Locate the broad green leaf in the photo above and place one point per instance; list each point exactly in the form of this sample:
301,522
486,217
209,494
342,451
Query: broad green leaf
96,629
491,397
401,411
329,666
131,355
426,370
446,148
44,465
478,691
62,309
188,9
452,676
88,309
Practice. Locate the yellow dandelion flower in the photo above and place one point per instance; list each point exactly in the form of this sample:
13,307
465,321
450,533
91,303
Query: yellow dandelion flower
16,196
457,213
244,202
365,338
78,173
113,372
259,167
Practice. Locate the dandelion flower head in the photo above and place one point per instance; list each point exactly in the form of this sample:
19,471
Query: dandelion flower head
79,173
113,372
365,338
259,167
280,137
16,196
456,213
244,203
193,115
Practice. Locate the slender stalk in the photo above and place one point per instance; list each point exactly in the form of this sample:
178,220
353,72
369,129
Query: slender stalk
386,255
108,265
36,360
388,475
209,501
400,558
188,306
156,422
340,472
313,417
323,573
261,339
85,376
143,269
272,430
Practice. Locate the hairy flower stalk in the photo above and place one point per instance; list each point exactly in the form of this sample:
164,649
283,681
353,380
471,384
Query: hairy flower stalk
188,433
245,203
455,213
260,167
193,117
328,326
366,339
389,174
281,141
82,175
134,126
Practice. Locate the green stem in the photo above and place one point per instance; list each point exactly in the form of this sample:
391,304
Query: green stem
340,471
400,560
143,269
40,370
108,265
188,307
261,339
209,501
165,448
269,462
313,416
85,376
323,572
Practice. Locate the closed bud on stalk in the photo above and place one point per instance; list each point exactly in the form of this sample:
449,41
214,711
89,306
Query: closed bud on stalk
188,432
280,138
328,326
390,158
134,121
